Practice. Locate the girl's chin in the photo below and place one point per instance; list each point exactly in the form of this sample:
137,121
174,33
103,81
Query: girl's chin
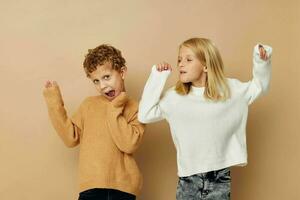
183,80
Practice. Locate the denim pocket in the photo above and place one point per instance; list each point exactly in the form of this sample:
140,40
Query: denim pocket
223,176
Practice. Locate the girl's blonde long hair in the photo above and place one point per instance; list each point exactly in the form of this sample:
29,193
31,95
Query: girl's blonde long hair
216,88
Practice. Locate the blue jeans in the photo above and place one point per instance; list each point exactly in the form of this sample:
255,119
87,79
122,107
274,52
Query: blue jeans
214,185
105,194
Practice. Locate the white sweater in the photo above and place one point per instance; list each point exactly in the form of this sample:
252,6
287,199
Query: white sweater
207,135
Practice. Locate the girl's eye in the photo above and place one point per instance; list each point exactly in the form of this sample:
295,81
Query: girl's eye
179,61
189,60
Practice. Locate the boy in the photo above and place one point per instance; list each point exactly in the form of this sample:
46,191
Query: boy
105,127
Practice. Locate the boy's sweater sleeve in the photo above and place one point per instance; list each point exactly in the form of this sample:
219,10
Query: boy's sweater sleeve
67,130
149,107
127,133
259,84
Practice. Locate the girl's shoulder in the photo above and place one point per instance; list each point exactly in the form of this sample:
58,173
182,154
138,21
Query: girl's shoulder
235,83
237,86
169,92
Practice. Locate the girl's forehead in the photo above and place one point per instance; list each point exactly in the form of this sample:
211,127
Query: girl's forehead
186,51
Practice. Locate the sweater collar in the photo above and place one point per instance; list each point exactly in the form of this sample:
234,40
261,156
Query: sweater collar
199,91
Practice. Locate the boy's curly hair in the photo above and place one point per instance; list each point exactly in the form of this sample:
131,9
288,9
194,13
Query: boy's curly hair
102,54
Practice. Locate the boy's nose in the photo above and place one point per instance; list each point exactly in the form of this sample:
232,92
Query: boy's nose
102,85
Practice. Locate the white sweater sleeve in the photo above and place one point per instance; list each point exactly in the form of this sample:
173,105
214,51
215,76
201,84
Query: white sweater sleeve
149,107
261,75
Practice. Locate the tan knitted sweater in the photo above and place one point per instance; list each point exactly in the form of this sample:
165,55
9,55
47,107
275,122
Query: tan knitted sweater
107,132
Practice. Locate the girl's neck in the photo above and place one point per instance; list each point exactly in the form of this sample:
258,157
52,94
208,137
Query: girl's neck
201,82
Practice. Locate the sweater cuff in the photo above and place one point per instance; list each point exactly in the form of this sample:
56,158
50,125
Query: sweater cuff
256,56
164,73
53,96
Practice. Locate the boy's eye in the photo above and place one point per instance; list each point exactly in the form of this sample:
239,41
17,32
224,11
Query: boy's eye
106,77
96,81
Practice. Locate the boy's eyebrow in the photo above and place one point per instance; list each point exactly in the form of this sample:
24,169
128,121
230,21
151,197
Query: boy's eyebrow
105,74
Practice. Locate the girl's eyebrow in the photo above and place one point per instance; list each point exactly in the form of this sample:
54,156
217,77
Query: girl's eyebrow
188,55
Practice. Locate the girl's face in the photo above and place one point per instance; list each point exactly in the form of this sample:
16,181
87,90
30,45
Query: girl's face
108,82
190,67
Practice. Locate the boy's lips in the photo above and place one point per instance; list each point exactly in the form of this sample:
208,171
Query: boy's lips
110,93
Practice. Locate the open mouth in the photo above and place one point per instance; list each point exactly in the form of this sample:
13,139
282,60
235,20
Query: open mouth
110,93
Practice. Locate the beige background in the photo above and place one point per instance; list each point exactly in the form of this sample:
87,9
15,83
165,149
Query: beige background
42,40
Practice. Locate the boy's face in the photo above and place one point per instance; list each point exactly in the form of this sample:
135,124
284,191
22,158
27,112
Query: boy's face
108,82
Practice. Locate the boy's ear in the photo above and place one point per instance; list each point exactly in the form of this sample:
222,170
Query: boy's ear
123,71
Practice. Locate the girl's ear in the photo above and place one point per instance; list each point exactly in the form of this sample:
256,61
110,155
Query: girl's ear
123,71
205,69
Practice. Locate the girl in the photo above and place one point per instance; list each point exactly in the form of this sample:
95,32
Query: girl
207,114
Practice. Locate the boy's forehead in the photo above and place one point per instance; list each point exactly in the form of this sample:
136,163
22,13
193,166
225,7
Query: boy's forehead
105,67
101,69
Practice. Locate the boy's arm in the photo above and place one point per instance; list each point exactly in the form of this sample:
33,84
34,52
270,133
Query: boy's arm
261,74
149,108
126,133
69,133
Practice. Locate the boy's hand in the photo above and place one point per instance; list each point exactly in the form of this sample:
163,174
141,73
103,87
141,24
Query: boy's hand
50,84
163,67
262,52
52,93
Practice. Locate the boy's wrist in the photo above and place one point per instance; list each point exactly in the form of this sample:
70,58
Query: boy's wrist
53,96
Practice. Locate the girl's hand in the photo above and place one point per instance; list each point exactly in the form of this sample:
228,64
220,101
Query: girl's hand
163,67
50,84
262,52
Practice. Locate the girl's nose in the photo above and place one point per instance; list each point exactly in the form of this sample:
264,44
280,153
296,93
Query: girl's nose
181,64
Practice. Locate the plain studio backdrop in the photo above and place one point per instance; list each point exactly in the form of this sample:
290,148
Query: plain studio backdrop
43,39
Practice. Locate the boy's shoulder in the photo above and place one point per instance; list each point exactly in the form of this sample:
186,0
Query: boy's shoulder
90,100
132,103
131,108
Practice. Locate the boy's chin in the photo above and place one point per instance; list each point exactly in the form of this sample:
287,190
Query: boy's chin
109,98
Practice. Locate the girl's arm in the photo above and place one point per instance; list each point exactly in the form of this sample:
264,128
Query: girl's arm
126,133
261,72
149,107
69,133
